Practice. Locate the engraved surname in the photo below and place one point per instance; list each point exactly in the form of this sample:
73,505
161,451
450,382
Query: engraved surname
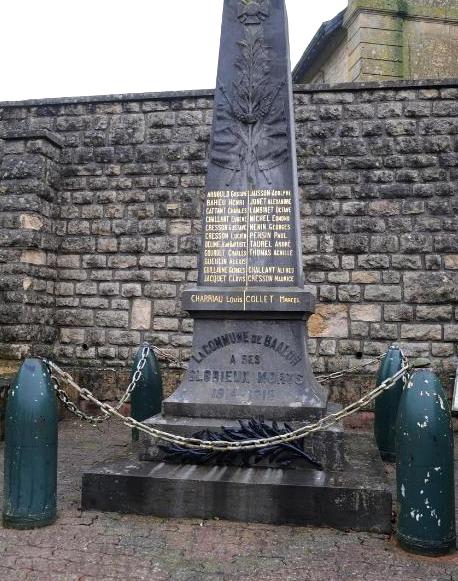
207,298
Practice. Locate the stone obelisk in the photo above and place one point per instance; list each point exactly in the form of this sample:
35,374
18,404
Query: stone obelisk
249,352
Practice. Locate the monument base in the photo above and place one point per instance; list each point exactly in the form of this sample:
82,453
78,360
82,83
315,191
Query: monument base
356,497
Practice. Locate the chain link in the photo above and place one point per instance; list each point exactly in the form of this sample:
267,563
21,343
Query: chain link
85,393
222,445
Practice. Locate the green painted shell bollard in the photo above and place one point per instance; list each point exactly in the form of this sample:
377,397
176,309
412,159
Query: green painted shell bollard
424,468
30,475
387,403
146,399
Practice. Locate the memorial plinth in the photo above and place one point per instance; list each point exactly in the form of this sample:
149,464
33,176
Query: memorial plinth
249,356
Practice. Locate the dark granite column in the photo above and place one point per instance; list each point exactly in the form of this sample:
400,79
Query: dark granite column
249,351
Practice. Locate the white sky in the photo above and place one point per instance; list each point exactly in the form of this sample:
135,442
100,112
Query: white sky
60,48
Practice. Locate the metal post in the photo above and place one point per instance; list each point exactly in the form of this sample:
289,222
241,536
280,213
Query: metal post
386,405
30,449
424,468
146,399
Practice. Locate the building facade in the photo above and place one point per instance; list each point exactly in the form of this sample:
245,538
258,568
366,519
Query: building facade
379,40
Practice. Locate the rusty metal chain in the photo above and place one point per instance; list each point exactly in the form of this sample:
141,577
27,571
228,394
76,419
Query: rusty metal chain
223,445
74,409
341,373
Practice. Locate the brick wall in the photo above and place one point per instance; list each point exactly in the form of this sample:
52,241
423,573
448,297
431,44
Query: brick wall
117,240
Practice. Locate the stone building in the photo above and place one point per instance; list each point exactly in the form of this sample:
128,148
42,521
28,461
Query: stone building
101,204
378,40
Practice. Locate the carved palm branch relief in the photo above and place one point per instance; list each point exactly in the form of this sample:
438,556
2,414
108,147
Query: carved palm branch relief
250,136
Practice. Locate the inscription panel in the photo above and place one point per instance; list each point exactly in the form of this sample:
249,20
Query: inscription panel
265,299
249,239
249,364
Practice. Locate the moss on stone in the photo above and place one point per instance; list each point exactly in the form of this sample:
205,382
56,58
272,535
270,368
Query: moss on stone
440,9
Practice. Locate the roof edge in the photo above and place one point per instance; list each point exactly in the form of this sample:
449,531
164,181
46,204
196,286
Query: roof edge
324,33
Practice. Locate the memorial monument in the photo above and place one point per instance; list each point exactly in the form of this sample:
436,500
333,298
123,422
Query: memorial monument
249,356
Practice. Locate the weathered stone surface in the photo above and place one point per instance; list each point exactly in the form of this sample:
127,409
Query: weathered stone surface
443,349
329,321
384,331
451,332
398,313
433,313
28,182
451,261
127,129
141,314
421,332
431,287
111,319
365,312
37,257
383,293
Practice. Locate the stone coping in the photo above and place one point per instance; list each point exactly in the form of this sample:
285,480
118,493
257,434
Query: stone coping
208,93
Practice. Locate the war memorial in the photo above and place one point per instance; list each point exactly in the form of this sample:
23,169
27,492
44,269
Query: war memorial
313,249
249,356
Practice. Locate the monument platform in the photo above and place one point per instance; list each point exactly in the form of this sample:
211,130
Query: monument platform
356,497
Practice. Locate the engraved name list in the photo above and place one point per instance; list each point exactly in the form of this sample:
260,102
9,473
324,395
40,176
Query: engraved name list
248,239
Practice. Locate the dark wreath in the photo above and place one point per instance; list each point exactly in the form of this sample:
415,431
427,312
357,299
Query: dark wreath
278,455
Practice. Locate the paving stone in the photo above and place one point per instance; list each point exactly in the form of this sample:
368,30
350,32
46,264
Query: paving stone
91,545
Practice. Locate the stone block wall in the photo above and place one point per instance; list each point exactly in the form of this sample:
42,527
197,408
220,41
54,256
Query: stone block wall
97,264
29,182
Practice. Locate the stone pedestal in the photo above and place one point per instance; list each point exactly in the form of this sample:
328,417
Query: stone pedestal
356,497
245,367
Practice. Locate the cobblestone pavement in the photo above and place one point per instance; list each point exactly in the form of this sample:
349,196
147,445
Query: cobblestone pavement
89,545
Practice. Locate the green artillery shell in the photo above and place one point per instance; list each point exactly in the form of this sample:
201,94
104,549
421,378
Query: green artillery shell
387,403
424,468
146,398
30,449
